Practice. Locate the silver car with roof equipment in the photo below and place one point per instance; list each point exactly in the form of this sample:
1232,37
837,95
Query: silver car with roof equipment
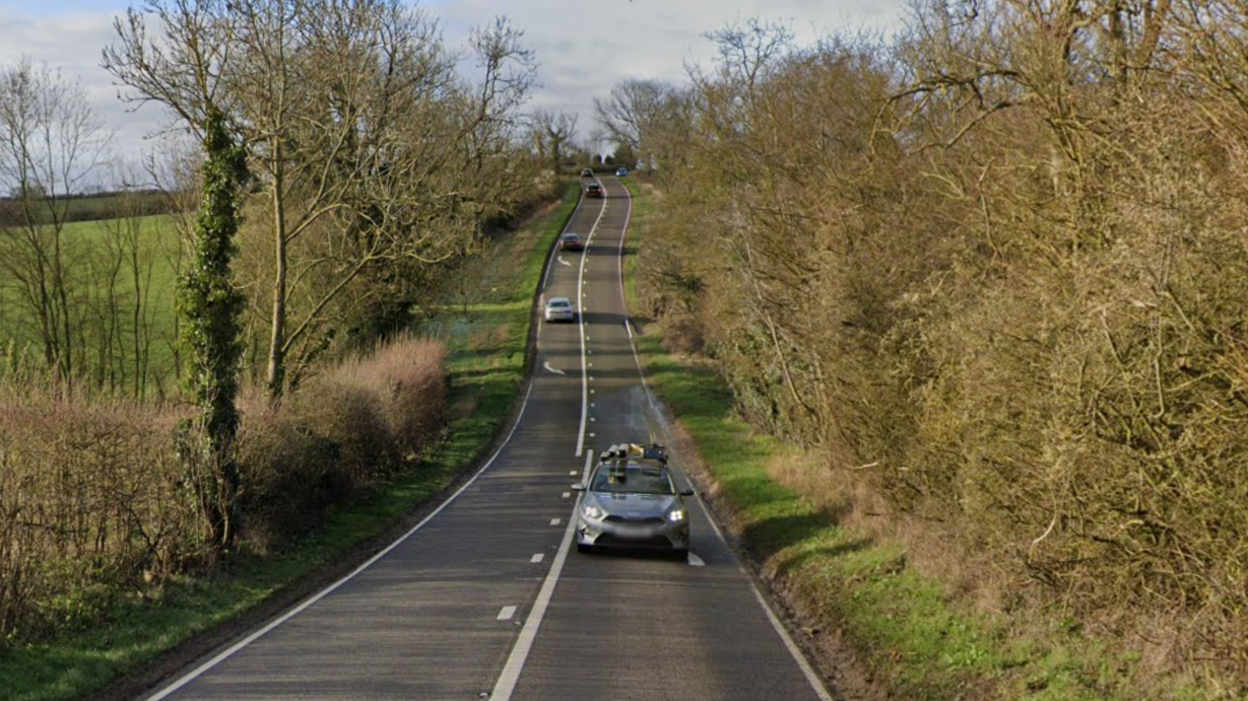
631,501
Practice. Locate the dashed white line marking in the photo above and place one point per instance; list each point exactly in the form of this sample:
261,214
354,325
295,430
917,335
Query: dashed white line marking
506,613
573,472
592,419
557,521
567,494
554,370
506,684
537,557
695,561
580,287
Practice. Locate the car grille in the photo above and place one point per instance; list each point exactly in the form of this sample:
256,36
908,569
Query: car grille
647,521
658,541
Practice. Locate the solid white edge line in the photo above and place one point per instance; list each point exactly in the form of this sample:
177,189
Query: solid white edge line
228,652
813,679
580,287
550,260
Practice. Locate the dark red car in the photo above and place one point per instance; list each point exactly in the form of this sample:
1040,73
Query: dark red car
593,190
571,242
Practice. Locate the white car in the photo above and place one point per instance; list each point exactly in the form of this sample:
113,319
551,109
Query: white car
560,309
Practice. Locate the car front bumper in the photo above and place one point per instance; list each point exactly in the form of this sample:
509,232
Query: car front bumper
668,535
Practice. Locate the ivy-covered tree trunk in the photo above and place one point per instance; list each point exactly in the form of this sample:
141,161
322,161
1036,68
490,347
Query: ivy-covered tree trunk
212,308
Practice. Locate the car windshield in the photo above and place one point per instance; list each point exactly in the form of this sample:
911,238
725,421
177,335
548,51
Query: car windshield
571,237
559,303
631,479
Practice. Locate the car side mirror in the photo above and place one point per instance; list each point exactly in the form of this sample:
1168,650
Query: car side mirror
686,492
578,487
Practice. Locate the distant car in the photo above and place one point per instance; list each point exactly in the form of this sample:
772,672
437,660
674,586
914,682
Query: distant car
632,502
593,190
560,309
587,173
571,242
621,172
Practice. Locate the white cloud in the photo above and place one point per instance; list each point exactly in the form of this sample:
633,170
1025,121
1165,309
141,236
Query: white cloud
584,47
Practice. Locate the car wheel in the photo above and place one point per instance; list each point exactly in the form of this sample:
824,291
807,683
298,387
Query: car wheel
681,554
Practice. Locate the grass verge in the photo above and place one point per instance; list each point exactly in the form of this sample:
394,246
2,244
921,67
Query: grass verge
910,636
487,337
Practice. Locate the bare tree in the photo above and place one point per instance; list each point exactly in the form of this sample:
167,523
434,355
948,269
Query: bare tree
356,120
632,111
552,132
51,142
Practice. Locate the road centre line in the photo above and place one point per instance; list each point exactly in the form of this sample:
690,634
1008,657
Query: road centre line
506,684
507,613
813,679
556,521
537,557
580,286
231,650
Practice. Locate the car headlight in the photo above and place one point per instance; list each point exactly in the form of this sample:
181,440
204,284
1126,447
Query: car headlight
676,515
592,512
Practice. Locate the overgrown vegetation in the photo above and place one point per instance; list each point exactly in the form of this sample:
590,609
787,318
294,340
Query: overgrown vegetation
990,274
336,464
342,166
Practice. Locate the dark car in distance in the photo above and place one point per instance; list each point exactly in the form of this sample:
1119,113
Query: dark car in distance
587,173
571,242
593,190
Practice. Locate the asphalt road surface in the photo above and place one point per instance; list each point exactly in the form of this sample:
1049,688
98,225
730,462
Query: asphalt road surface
486,598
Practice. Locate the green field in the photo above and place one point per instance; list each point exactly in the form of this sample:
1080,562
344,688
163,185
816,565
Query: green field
100,259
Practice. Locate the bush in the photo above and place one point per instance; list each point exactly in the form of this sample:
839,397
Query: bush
344,433
92,498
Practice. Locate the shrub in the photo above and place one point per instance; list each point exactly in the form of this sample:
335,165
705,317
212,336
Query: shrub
343,433
92,497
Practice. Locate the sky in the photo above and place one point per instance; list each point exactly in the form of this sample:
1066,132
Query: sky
583,48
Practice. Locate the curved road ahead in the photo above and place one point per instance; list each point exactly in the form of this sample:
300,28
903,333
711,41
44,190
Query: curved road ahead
483,600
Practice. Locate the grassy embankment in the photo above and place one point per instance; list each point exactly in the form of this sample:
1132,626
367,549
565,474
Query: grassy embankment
912,637
486,335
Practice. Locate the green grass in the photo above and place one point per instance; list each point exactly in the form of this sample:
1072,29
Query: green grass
487,343
86,260
917,639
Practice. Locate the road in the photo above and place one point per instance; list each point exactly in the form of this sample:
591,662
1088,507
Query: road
486,598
